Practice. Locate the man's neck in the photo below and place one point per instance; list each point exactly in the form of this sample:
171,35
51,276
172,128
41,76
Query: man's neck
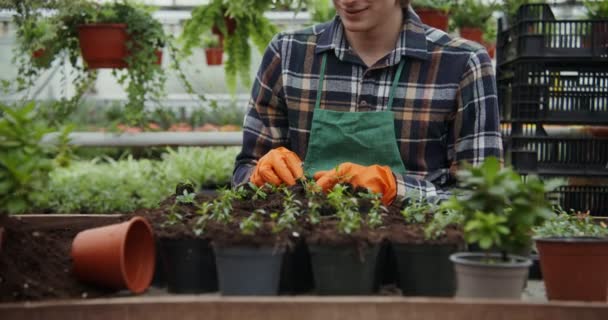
374,44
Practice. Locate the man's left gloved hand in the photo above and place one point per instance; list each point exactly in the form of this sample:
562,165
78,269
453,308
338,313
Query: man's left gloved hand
378,179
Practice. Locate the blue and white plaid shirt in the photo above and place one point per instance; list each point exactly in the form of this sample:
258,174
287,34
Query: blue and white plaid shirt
446,108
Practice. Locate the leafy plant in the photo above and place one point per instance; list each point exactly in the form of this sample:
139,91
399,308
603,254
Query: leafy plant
499,208
210,41
440,221
597,9
25,162
473,13
441,5
374,215
291,210
201,222
417,211
250,23
186,197
563,224
346,207
252,223
43,40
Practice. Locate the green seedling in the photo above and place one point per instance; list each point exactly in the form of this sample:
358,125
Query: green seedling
252,223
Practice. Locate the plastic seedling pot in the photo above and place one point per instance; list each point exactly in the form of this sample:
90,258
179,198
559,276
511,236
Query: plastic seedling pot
117,256
476,278
190,265
245,271
159,279
296,272
425,269
344,270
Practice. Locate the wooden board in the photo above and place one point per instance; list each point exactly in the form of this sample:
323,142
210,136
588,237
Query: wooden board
300,308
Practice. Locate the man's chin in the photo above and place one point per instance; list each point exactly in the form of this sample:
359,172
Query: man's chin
358,26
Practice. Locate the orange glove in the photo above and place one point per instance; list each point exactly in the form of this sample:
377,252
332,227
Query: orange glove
378,179
276,167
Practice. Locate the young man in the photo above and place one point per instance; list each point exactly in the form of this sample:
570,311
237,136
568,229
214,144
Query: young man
393,104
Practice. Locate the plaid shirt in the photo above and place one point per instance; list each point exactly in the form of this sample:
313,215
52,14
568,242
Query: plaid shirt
445,105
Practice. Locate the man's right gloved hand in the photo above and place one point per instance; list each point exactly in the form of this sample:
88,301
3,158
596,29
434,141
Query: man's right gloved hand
276,167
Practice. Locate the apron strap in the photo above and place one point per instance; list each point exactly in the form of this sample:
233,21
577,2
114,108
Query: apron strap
321,80
394,86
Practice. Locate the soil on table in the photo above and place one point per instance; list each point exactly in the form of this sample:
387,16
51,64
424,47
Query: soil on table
35,263
324,233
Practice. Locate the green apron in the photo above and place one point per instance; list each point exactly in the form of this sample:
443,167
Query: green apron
365,138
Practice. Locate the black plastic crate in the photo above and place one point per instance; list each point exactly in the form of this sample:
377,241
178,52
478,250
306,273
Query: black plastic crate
582,198
537,34
558,156
553,92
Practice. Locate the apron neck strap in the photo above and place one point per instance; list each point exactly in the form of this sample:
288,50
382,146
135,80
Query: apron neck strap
391,94
395,83
321,80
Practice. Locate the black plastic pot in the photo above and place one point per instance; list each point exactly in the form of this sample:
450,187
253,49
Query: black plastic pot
159,279
190,265
342,270
296,272
245,271
425,269
386,271
535,272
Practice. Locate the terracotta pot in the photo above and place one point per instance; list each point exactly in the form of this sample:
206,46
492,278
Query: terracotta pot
214,56
434,18
103,45
473,34
38,53
117,256
574,268
491,48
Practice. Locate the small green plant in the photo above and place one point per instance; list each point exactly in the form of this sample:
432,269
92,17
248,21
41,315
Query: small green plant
346,207
173,217
252,223
202,211
292,208
473,13
374,215
597,9
186,197
564,224
441,220
441,5
499,207
417,211
313,193
258,192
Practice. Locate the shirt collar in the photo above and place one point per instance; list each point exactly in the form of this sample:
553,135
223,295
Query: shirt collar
411,42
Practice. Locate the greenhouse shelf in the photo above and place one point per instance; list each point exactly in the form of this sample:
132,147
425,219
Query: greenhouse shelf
537,34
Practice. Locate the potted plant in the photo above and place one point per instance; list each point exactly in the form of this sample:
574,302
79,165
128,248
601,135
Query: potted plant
500,210
251,240
213,51
187,260
471,18
344,243
434,12
235,23
422,238
572,250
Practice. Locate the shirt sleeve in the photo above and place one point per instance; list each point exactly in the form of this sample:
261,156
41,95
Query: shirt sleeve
473,134
265,126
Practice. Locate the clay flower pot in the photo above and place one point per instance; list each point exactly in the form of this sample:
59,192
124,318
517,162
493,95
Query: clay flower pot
434,18
103,45
230,27
117,256
473,34
214,56
574,268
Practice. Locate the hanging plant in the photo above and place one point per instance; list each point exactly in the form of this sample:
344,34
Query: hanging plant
72,36
237,22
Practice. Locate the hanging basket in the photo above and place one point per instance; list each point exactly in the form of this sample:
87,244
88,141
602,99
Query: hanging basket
104,45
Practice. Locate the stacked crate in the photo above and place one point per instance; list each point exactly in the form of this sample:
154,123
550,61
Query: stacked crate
552,78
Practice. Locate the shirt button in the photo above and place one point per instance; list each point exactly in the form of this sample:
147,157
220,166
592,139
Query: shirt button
363,103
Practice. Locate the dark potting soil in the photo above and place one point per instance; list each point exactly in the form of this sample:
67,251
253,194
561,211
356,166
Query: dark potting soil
325,232
35,263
